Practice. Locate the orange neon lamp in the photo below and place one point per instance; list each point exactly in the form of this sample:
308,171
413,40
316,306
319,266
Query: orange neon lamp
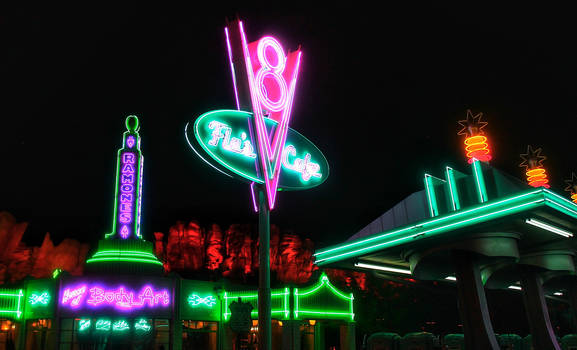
572,187
533,164
476,144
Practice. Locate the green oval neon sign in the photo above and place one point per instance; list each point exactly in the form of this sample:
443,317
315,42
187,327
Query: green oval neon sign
225,139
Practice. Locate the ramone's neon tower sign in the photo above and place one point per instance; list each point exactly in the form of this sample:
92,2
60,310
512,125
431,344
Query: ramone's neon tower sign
259,146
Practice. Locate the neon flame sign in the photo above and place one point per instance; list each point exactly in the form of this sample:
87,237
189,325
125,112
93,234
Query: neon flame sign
121,298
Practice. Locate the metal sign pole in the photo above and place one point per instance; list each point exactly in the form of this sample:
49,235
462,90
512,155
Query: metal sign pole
264,293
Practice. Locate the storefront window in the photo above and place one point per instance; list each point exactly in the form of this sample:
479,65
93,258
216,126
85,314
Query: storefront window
114,333
39,334
199,335
8,331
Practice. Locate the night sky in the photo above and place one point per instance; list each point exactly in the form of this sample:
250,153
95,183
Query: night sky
380,93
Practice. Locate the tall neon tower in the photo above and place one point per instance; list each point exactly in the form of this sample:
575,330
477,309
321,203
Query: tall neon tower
124,249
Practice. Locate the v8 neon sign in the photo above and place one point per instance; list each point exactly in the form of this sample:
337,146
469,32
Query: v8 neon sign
270,151
272,78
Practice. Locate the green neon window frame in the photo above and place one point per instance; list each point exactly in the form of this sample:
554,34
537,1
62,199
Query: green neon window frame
11,302
305,311
431,196
278,296
490,210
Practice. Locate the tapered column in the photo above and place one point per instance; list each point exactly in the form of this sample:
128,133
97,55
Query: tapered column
264,297
542,333
479,334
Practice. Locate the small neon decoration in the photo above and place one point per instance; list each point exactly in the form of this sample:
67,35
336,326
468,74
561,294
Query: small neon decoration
128,195
196,300
476,145
120,325
279,302
84,325
121,298
103,325
572,187
36,299
533,164
142,325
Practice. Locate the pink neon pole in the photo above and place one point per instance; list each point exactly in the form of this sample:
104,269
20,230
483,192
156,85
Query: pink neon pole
278,110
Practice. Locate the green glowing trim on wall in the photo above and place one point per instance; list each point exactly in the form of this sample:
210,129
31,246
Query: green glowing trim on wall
123,259
311,302
195,300
431,196
479,181
525,201
279,302
453,191
11,302
56,273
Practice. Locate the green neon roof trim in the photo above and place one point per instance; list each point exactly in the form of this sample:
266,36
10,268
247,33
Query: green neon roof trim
316,301
484,212
123,259
279,302
453,191
480,181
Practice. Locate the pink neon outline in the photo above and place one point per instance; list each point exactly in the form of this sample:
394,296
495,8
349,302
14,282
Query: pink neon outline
232,68
120,298
280,132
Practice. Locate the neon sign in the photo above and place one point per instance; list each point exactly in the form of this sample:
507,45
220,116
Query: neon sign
476,145
121,298
224,135
142,325
533,164
335,304
103,325
260,147
196,300
127,203
39,299
84,324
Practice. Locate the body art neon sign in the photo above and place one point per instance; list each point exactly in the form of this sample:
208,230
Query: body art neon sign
39,299
196,300
260,147
127,202
97,296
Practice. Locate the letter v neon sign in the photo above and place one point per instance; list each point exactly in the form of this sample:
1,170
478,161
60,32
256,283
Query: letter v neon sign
268,71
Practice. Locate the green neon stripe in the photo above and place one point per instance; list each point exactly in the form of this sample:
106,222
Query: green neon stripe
124,259
440,229
120,252
453,189
324,281
480,181
431,222
431,197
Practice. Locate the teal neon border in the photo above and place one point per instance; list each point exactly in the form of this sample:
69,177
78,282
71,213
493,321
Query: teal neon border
299,296
524,201
11,302
480,181
279,294
431,196
453,191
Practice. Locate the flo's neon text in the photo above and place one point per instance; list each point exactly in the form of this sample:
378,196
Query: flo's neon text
222,131
122,298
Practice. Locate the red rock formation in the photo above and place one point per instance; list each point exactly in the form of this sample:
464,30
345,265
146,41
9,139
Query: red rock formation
17,260
214,248
185,247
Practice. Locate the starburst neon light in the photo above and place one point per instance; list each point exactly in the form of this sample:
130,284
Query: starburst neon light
476,145
572,187
196,300
271,95
42,298
533,164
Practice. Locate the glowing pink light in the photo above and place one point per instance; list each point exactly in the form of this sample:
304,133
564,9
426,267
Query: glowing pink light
120,298
279,110
232,68
130,141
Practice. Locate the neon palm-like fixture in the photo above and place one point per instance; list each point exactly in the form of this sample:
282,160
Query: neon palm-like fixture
270,153
549,227
383,268
572,187
476,145
534,170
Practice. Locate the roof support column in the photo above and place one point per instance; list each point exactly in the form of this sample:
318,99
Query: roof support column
542,333
477,325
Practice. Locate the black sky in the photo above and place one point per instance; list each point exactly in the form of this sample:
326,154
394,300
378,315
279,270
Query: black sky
380,93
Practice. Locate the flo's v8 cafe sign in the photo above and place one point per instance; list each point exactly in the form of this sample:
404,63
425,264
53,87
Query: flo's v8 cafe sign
259,146
224,139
